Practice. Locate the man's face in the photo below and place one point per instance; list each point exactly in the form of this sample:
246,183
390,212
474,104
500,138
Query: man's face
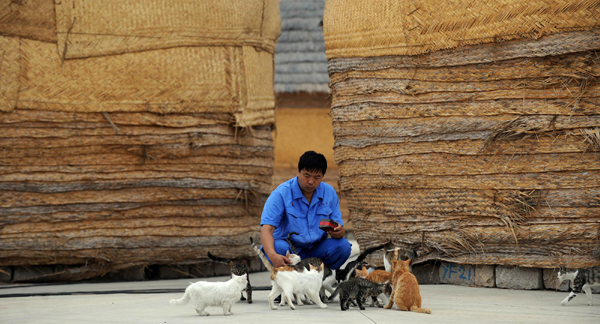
309,180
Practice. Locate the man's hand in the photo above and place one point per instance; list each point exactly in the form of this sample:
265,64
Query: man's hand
266,237
337,232
279,260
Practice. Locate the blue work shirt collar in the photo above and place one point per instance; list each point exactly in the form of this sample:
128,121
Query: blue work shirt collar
297,192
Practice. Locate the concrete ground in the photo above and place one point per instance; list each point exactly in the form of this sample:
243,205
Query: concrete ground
148,302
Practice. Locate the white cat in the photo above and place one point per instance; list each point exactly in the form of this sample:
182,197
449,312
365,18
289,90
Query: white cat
328,283
296,280
293,279
581,280
204,293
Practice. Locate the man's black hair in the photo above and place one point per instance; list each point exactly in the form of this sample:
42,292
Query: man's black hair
312,161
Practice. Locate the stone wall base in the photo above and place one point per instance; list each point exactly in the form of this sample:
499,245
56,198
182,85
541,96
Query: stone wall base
490,276
426,273
6,274
19,274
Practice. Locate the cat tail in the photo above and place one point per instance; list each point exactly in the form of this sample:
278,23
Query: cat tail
335,293
368,251
420,310
217,259
289,241
262,256
181,301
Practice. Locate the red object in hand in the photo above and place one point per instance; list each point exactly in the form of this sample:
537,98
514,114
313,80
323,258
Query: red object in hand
327,224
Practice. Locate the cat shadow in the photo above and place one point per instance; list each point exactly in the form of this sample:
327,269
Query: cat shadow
217,312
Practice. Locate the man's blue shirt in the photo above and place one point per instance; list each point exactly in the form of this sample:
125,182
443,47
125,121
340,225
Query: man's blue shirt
288,210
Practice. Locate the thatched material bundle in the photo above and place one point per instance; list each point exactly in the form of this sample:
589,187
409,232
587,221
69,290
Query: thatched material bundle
150,145
97,28
482,154
382,27
154,56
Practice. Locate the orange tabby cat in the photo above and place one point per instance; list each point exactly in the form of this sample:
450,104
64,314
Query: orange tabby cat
380,277
377,276
406,293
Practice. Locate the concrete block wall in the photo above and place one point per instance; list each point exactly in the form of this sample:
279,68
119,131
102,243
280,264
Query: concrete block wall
485,276
173,272
500,276
551,280
428,273
28,273
458,274
139,273
519,278
203,270
6,274
131,274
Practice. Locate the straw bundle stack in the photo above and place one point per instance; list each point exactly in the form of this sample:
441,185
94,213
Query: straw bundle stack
140,134
469,130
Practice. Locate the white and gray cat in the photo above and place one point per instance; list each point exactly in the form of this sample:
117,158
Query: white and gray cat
204,293
293,279
392,253
238,269
349,270
329,276
581,279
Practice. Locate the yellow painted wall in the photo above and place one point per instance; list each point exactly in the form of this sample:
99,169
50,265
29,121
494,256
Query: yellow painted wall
299,130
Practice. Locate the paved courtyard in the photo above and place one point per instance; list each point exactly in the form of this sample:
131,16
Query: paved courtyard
148,302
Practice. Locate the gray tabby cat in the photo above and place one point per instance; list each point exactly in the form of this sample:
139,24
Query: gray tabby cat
358,289
581,279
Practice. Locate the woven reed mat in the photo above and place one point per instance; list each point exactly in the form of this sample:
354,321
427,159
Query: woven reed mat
156,56
479,154
29,19
95,28
359,28
235,80
9,73
118,190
